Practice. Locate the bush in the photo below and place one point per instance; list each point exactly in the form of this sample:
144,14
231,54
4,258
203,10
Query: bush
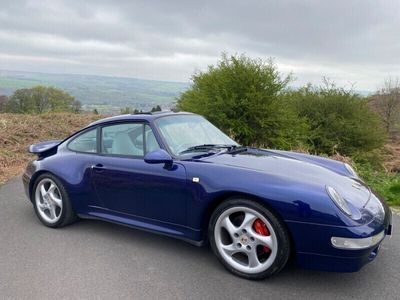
242,96
339,120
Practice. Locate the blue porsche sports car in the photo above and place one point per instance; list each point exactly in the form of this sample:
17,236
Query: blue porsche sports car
178,175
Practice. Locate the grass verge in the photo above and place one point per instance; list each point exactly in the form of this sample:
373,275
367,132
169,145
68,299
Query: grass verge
386,184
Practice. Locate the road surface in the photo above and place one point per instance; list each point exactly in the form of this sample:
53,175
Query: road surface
93,259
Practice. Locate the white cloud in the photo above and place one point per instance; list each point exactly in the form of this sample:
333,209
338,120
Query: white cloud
349,42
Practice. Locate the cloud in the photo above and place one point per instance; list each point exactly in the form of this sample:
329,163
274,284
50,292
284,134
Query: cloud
348,41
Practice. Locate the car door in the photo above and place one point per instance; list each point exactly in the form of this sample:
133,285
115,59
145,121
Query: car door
127,185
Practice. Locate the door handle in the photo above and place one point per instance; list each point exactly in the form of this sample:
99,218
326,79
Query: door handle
98,167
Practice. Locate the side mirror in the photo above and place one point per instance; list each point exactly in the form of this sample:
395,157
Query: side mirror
159,156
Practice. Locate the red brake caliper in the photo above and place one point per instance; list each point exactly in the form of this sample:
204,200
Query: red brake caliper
261,229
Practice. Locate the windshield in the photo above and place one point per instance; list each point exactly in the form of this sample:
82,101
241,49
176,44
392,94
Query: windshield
183,133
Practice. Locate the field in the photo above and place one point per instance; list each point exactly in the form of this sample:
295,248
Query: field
17,132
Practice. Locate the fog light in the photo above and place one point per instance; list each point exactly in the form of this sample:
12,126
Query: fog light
356,244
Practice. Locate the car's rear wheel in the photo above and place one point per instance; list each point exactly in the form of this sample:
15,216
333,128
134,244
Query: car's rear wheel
248,239
51,202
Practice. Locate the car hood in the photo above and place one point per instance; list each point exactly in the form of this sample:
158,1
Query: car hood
295,170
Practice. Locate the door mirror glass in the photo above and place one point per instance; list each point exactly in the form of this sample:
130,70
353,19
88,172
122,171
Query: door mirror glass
159,156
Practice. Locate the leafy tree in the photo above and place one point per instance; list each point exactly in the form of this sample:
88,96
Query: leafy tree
340,121
41,99
20,102
242,96
3,103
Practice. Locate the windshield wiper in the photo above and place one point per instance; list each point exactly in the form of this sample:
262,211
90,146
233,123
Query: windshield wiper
207,147
237,149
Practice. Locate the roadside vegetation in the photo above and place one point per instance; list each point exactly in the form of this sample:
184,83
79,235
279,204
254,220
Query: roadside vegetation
17,132
252,101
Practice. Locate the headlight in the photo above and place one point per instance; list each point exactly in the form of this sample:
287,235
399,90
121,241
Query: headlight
351,170
339,200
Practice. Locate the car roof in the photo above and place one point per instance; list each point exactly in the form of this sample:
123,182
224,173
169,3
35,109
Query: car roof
147,116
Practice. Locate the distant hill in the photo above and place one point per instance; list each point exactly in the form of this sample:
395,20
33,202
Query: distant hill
107,94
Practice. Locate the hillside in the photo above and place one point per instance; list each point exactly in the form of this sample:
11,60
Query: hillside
107,94
17,133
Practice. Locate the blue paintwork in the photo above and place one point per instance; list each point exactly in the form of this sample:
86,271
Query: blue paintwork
42,147
158,156
163,197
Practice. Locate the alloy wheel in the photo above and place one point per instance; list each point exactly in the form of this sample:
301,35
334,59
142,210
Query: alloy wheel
246,240
48,200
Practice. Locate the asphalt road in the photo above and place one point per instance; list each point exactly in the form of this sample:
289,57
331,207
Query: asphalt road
93,259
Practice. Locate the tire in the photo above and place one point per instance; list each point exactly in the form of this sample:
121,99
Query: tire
52,205
256,244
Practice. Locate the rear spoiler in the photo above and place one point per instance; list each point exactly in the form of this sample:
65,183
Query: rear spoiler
41,148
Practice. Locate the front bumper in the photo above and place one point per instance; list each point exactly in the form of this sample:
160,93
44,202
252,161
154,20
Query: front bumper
336,263
314,250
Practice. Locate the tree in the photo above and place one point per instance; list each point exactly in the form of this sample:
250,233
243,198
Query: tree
242,96
76,106
156,108
3,103
340,121
41,99
386,103
95,111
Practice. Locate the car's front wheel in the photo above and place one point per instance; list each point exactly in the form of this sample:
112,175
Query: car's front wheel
51,202
248,239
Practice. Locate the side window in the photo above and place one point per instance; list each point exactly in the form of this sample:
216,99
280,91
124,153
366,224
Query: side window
85,142
127,139
122,139
151,142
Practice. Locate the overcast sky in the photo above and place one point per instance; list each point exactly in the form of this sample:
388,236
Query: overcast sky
351,41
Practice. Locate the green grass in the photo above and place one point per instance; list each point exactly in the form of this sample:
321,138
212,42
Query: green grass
384,183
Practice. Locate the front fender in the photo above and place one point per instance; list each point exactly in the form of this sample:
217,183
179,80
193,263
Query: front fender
293,201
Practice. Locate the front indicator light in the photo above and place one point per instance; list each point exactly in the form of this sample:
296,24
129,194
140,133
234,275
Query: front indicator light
357,244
